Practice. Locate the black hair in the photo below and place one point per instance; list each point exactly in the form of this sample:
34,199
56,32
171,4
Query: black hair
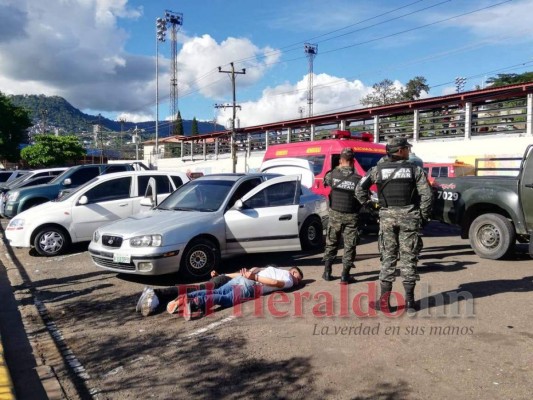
299,271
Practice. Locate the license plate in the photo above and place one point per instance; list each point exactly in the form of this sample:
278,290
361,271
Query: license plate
9,208
122,258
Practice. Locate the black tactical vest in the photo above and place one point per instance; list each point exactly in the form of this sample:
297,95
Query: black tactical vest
396,184
342,197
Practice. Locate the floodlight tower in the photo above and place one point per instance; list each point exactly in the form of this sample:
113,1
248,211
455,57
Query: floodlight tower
460,83
175,20
311,51
161,32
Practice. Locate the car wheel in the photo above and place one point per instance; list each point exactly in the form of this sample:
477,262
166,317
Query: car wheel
51,241
491,236
201,257
311,234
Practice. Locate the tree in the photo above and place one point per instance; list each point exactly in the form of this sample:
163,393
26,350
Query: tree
178,126
383,93
194,127
13,124
50,150
509,79
414,88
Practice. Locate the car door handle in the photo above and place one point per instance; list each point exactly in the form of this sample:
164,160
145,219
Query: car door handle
287,217
123,205
530,185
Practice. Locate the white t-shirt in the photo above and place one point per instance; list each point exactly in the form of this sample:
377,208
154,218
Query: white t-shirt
277,274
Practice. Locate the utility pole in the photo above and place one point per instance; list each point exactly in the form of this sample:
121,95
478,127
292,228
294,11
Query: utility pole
44,116
101,139
136,140
234,106
122,121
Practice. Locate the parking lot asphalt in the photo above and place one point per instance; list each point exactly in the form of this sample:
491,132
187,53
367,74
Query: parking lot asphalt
471,339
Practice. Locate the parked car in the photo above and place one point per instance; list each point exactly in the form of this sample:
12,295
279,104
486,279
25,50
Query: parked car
35,173
211,217
8,176
51,227
22,199
18,184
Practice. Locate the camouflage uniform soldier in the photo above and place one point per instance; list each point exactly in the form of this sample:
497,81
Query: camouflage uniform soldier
343,209
405,199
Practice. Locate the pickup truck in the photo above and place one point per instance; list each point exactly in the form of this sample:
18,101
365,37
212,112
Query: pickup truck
22,199
493,211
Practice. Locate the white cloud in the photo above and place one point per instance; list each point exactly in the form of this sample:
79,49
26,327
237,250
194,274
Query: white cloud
283,102
200,57
500,22
74,49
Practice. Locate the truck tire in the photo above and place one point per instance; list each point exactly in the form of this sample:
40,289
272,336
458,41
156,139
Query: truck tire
491,236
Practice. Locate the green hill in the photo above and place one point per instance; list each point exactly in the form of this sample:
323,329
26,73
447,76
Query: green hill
54,113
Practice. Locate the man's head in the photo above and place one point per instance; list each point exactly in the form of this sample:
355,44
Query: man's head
297,275
346,156
398,147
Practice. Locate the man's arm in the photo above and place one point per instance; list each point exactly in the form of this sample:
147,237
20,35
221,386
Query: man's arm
327,179
425,192
236,274
363,187
254,276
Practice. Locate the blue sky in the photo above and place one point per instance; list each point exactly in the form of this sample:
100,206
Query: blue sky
100,54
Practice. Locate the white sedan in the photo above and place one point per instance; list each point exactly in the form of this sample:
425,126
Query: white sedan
51,227
212,217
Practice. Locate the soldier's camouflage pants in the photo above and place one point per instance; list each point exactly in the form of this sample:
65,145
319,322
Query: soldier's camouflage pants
345,225
399,242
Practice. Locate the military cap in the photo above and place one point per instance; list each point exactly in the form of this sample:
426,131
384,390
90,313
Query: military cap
396,143
347,153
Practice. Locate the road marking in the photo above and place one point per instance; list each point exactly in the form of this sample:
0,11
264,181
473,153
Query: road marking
211,326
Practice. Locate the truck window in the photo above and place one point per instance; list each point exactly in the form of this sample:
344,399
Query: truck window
84,175
162,184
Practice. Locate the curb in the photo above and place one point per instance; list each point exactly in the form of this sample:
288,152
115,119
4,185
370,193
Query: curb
45,381
7,391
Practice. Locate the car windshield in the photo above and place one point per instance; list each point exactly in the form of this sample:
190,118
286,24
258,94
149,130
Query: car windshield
16,181
198,195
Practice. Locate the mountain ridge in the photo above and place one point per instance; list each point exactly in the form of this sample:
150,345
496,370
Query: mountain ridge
56,114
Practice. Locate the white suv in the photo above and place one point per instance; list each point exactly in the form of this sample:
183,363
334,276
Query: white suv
51,227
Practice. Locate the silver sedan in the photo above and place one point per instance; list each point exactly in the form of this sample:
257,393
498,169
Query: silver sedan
212,217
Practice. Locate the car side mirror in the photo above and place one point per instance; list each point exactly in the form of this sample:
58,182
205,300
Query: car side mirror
147,201
67,182
83,200
239,205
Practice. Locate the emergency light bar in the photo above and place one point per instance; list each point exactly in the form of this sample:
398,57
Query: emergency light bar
363,136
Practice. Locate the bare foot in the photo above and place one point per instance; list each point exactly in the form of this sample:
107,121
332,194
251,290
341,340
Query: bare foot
214,273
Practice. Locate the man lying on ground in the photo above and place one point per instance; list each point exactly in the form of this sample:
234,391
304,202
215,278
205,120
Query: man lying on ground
249,285
151,299
245,285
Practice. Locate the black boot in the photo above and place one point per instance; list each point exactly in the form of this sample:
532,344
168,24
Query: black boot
327,271
384,298
346,277
410,303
